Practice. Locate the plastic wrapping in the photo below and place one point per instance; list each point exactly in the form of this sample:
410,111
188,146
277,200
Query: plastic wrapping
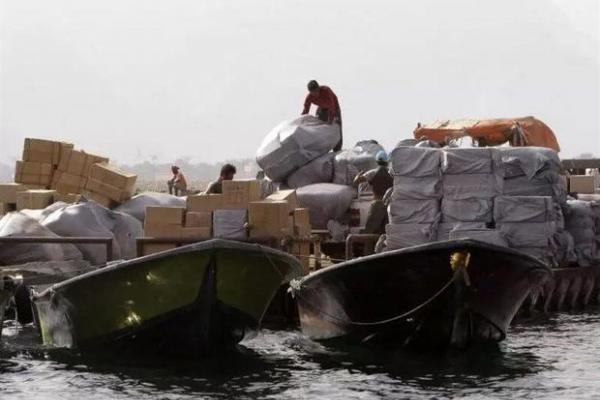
429,187
362,155
325,201
530,161
528,234
524,209
319,170
492,236
343,171
136,206
399,236
467,186
467,210
230,224
444,228
295,143
416,162
414,211
458,161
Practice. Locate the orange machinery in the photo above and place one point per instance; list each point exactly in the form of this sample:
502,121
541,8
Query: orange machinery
527,131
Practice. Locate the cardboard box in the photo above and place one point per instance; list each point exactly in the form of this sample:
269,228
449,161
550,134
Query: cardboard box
5,208
162,230
285,195
107,190
44,151
269,219
198,219
8,192
65,182
205,202
164,215
78,162
151,248
237,194
67,197
302,227
35,199
113,176
583,183
302,252
100,199
35,173
201,233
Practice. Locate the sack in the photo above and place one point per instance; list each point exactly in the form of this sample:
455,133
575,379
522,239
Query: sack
416,161
325,201
295,143
528,234
444,228
343,171
399,236
468,186
491,236
319,170
230,224
362,155
414,211
474,160
530,161
524,209
428,187
467,210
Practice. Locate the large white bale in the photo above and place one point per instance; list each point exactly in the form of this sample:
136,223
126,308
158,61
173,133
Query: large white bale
295,143
325,201
136,206
319,170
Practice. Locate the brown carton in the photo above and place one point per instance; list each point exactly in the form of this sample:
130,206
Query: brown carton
98,198
66,182
205,202
67,197
107,190
5,208
164,216
237,194
151,248
198,219
583,183
113,176
34,173
269,219
8,192
200,233
79,162
162,230
44,151
34,199
285,195
302,226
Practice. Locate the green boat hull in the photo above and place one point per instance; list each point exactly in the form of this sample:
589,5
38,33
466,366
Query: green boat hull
193,300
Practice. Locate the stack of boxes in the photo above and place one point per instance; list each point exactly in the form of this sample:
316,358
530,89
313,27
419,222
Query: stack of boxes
8,196
109,185
35,199
584,184
73,170
40,158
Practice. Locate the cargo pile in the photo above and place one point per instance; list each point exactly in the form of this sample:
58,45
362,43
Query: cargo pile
52,171
582,221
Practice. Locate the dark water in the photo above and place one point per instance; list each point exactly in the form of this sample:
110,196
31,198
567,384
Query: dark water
557,357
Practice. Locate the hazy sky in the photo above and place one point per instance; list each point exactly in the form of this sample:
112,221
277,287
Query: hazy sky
208,79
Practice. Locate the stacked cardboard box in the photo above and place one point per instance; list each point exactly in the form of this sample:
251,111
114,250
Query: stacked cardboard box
72,172
198,225
40,158
109,184
35,199
162,222
302,229
8,196
205,202
34,173
586,184
238,194
270,219
67,198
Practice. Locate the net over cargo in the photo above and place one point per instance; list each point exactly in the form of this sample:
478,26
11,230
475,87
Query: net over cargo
526,131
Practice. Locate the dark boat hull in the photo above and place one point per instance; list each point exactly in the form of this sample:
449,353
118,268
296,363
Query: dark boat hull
190,301
350,301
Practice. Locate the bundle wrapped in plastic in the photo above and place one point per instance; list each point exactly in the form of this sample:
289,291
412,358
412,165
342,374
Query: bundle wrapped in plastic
414,211
343,171
582,222
445,228
362,155
486,235
319,170
467,210
325,201
295,143
416,162
399,236
230,224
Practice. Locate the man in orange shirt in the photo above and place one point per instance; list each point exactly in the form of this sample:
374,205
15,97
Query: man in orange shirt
328,106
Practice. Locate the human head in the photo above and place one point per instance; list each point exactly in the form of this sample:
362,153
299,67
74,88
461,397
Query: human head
381,158
174,169
313,87
227,172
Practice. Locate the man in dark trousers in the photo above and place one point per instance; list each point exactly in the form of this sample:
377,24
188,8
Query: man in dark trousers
328,106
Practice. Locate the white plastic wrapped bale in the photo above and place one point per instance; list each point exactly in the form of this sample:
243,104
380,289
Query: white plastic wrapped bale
416,162
581,221
230,224
445,228
325,201
408,211
472,173
319,170
486,235
343,171
362,155
467,210
533,171
136,206
295,143
399,236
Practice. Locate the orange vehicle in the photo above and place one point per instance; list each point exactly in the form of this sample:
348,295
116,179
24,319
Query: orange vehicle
526,131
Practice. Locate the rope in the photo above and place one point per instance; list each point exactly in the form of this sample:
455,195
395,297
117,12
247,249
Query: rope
294,288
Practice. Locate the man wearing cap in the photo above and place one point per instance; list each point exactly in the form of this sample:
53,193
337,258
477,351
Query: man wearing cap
328,107
380,181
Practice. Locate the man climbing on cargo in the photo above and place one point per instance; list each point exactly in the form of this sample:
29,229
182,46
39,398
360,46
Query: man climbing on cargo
328,107
228,171
177,184
380,181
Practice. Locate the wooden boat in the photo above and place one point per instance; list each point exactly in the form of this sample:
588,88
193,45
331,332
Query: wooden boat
188,301
445,293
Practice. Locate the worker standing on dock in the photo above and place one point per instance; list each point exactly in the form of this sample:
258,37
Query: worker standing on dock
177,184
380,181
328,106
228,171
